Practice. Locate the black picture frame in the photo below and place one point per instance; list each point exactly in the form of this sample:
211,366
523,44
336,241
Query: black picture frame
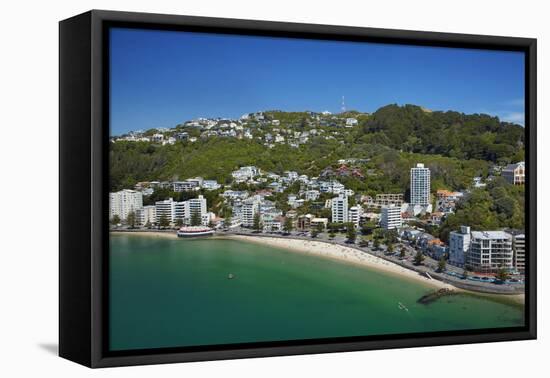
83,180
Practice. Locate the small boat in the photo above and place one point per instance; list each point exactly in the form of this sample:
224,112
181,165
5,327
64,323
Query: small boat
402,306
230,276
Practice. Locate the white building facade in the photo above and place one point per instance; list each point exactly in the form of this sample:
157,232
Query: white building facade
390,218
420,185
340,209
123,202
490,251
459,243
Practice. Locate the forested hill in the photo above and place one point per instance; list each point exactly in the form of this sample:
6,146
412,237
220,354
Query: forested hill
455,146
476,136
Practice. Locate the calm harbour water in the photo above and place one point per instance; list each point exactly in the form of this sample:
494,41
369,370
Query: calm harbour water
172,292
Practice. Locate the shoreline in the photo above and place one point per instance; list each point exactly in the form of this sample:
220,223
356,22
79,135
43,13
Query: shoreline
343,254
339,253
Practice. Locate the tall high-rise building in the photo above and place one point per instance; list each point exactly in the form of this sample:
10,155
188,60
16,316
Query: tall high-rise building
340,209
420,185
123,202
390,217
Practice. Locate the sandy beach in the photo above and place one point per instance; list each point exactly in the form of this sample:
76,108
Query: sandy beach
345,254
336,252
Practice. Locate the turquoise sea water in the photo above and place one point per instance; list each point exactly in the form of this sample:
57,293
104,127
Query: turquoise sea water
172,292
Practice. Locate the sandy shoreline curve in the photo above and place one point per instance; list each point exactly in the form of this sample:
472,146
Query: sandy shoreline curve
344,254
335,252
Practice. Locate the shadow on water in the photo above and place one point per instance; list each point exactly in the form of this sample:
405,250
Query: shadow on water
51,348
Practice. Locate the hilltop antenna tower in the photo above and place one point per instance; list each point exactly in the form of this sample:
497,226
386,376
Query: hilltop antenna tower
343,105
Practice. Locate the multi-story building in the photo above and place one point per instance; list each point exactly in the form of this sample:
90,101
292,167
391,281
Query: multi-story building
459,243
340,209
181,211
420,185
514,173
519,252
147,214
166,209
249,209
210,185
184,186
354,215
490,251
197,206
390,218
245,173
123,202
312,195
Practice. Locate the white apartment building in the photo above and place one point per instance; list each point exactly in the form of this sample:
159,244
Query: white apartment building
340,209
123,202
459,243
245,173
184,186
210,185
354,215
390,217
420,185
166,209
519,252
490,251
181,211
248,210
197,205
147,214
312,195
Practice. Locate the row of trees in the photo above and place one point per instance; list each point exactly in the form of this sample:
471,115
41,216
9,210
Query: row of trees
162,222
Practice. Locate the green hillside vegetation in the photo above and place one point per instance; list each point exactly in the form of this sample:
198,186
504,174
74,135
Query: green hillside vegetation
501,205
455,146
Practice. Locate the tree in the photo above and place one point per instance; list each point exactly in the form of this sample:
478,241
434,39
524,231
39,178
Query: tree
196,218
227,220
257,222
319,227
288,226
376,243
163,221
390,248
115,220
465,273
131,219
502,274
351,234
363,242
418,258
442,264
331,235
403,252
368,227
179,222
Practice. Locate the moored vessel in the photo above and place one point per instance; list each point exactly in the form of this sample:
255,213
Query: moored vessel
194,231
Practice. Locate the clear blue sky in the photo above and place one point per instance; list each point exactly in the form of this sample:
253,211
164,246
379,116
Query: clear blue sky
163,78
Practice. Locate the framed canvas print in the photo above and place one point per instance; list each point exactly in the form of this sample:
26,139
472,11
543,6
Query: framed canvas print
233,188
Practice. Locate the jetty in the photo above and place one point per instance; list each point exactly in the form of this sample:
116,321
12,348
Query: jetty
430,297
